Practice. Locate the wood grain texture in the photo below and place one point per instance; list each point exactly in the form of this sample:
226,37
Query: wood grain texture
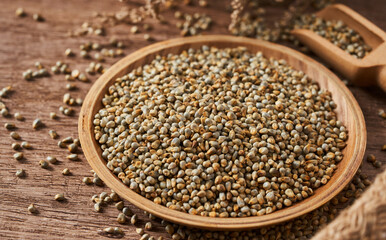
22,42
371,70
348,112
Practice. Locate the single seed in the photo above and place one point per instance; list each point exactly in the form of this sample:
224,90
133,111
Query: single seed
145,237
53,115
73,157
59,197
43,164
66,171
4,112
53,134
87,180
18,116
134,219
148,226
61,144
377,164
147,37
382,113
384,147
140,231
51,159
98,207
37,123
69,52
97,181
16,146
18,156
9,126
121,218
127,211
119,205
20,12
32,209
15,135
37,17
68,140
20,173
371,158
26,145
73,148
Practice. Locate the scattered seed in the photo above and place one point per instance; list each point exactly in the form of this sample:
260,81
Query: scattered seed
73,148
148,226
32,209
119,205
37,123
61,144
382,113
26,145
147,37
73,157
20,173
4,112
140,231
87,180
97,207
121,218
69,52
51,159
20,12
66,171
37,17
384,147
377,164
43,164
18,156
145,236
9,126
371,158
53,115
16,146
127,211
134,219
53,134
97,181
59,197
19,117
15,135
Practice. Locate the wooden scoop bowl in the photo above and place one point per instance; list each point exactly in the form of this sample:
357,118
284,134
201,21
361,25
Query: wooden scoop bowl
348,112
368,71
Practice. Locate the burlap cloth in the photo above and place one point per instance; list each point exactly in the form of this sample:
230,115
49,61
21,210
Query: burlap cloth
365,219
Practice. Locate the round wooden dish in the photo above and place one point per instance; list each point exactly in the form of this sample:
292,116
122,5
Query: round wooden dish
348,112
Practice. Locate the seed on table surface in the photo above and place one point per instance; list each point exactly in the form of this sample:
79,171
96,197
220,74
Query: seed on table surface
76,142
71,86
83,78
37,123
151,238
4,112
134,219
15,135
145,27
18,156
127,211
118,230
119,205
97,207
20,173
61,144
147,37
18,116
371,158
84,54
66,171
384,147
73,148
20,12
109,230
9,126
53,134
69,52
87,180
53,115
43,164
37,17
16,146
140,231
169,229
79,101
97,181
148,226
73,157
51,159
382,113
377,164
26,145
160,238
66,98
68,140
115,197
145,237
121,218
59,197
32,209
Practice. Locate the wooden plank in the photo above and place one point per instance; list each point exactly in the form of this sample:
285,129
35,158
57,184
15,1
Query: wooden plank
22,43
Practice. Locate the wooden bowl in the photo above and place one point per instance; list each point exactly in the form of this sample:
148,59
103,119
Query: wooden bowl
348,112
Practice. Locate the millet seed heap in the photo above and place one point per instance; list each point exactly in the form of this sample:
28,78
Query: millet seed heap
220,132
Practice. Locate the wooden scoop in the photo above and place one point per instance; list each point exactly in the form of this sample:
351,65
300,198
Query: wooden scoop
368,71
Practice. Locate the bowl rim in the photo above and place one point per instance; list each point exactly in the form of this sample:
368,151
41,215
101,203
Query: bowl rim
89,144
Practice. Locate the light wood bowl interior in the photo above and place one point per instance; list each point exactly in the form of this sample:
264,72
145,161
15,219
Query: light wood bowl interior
348,112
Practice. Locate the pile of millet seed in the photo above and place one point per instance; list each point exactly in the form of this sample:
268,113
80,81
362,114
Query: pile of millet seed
220,132
337,33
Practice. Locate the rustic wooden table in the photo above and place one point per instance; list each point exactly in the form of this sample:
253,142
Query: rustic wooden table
22,43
